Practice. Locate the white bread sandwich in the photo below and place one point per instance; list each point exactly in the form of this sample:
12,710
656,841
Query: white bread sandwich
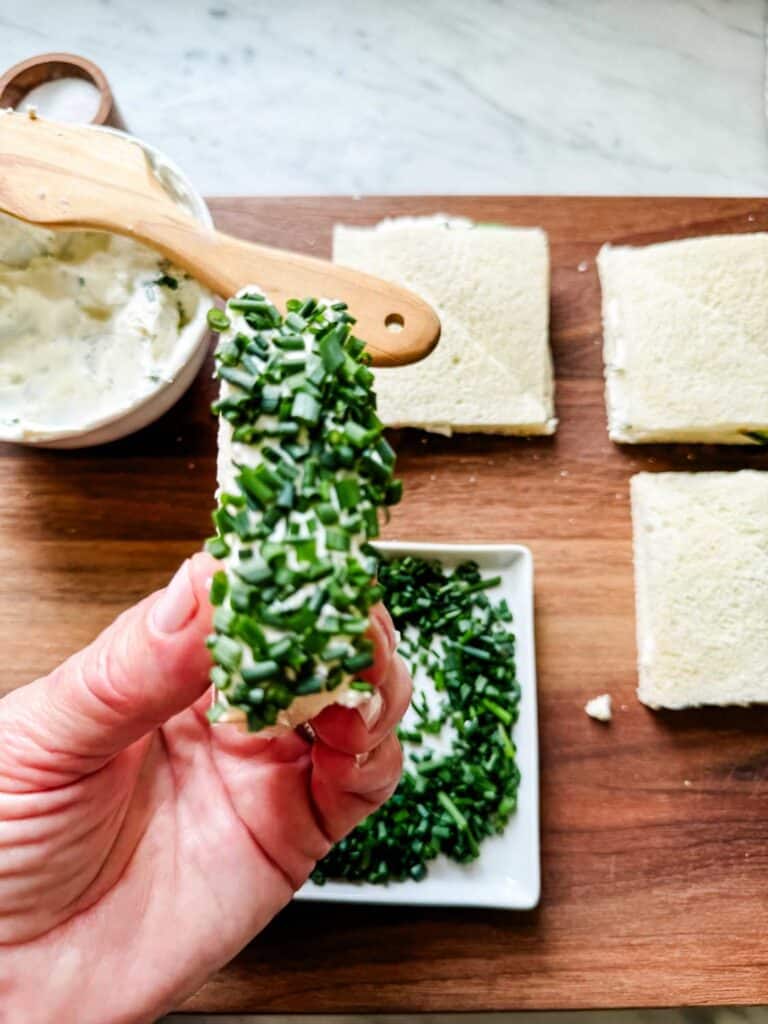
303,471
685,340
701,587
492,370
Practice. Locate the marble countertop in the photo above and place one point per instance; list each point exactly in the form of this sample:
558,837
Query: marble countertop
434,96
430,96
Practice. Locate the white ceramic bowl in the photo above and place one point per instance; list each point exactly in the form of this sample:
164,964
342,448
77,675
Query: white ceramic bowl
189,353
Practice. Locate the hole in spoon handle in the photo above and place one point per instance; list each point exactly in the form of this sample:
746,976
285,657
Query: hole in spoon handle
394,322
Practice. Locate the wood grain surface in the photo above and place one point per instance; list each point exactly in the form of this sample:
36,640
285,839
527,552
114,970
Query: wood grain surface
654,829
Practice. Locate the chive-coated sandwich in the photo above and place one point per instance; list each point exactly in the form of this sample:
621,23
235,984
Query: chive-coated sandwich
303,471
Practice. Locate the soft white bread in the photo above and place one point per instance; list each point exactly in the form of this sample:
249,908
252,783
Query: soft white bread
492,370
685,339
701,587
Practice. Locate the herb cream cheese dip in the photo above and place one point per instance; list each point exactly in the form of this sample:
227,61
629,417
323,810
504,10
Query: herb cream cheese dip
91,324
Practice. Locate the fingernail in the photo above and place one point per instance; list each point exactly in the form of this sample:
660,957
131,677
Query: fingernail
392,634
177,603
384,622
392,637
370,712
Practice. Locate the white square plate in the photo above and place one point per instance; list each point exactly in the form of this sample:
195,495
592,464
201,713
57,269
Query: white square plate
507,872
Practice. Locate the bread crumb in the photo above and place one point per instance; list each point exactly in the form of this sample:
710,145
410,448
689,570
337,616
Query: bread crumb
599,708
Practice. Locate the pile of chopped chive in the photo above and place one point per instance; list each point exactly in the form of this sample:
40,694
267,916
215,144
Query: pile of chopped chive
307,472
446,803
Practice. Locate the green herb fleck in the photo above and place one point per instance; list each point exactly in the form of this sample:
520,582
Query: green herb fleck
167,281
217,319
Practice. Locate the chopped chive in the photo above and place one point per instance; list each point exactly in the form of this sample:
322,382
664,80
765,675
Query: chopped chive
336,539
217,547
305,408
295,322
253,572
313,684
355,434
167,281
241,379
227,652
280,648
306,550
394,492
331,353
249,304
357,662
327,514
504,716
459,819
290,343
217,320
260,671
348,492
219,587
446,803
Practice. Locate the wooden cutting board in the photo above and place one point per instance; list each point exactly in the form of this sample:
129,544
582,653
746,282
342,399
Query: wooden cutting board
654,829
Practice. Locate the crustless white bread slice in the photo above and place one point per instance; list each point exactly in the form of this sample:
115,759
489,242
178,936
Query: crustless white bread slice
701,587
492,370
686,340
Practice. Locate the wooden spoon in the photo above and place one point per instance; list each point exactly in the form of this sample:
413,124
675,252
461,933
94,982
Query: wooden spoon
70,176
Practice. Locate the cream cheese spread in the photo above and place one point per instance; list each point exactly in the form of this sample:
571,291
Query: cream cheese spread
91,324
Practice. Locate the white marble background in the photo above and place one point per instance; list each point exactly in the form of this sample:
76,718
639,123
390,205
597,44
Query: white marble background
388,96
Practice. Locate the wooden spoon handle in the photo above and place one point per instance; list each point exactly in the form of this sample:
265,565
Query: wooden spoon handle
70,176
397,326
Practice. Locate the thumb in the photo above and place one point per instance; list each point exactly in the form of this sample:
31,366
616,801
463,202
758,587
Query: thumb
150,664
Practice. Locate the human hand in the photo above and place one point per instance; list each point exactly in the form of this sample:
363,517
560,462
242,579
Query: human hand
140,848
